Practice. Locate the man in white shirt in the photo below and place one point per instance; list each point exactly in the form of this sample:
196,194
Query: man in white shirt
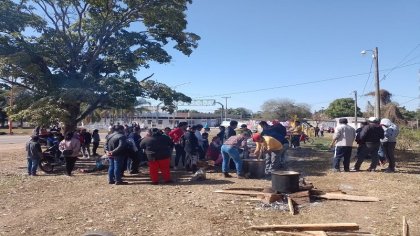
343,138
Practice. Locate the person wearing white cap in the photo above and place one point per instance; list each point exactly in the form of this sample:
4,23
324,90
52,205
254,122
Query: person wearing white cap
371,135
391,132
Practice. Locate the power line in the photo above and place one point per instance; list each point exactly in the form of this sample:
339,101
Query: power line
370,72
401,62
298,84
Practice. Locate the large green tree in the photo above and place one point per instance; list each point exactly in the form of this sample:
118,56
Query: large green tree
342,107
75,56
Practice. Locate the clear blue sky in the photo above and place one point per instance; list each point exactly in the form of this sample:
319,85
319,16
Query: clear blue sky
276,45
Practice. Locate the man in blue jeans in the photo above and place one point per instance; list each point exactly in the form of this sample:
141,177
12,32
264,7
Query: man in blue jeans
34,154
343,138
230,149
116,145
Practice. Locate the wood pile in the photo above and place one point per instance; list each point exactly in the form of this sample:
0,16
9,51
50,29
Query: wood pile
303,196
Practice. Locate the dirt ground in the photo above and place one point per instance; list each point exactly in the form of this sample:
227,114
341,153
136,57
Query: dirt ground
58,205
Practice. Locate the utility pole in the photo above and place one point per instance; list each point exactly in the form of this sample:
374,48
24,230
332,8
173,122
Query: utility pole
377,91
355,109
226,107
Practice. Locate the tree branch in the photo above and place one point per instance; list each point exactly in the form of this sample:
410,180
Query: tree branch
91,107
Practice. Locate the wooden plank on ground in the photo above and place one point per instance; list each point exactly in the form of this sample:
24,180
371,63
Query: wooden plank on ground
317,233
347,197
238,192
357,233
289,233
310,227
246,189
405,228
291,207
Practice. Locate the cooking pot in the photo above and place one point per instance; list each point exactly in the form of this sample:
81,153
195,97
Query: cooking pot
255,168
285,181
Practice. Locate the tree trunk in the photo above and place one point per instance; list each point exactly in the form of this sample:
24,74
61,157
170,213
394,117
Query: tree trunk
70,124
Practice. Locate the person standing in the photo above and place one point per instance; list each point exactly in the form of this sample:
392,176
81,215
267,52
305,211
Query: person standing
191,148
176,136
34,154
343,138
221,134
316,130
371,135
279,132
388,143
116,146
158,149
296,133
271,149
95,141
230,149
87,139
230,130
135,157
70,148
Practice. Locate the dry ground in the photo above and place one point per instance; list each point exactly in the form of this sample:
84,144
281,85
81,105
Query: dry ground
60,205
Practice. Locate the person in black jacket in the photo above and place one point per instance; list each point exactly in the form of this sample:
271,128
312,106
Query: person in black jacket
158,148
116,145
371,136
230,130
34,154
191,148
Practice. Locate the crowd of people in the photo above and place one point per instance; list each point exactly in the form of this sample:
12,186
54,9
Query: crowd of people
374,137
126,150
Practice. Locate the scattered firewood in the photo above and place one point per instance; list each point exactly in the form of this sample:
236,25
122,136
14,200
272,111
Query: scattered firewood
308,186
291,207
300,198
405,231
347,197
310,227
239,192
270,197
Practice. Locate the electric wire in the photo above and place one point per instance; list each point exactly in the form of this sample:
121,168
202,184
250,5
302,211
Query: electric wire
400,63
299,84
370,72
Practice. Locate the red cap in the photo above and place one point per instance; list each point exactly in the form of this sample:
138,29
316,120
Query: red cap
256,137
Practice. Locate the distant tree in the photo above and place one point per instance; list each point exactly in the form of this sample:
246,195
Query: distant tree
284,109
240,111
342,107
384,96
77,56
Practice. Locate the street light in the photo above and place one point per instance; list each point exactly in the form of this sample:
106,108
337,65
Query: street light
377,94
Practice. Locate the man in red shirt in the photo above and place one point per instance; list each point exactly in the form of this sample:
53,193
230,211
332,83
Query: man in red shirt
176,135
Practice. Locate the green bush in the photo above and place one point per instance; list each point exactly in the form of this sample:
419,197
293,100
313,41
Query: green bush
408,139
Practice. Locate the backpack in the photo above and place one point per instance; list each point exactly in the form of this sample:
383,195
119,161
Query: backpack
132,145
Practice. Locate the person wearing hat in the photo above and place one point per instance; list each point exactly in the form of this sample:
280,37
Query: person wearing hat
388,143
271,149
343,139
371,136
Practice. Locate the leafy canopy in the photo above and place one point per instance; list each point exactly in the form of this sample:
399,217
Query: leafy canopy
74,56
342,107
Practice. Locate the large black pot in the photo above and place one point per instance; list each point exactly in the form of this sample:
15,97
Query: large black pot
285,181
255,168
